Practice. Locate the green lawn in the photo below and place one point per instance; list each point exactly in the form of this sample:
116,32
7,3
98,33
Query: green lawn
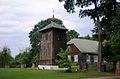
29,73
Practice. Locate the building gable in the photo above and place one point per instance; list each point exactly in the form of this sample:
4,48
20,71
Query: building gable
74,50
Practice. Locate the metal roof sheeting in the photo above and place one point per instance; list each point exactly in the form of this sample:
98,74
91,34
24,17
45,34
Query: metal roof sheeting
85,46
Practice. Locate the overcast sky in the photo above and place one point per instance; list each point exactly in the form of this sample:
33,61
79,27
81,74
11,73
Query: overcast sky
18,17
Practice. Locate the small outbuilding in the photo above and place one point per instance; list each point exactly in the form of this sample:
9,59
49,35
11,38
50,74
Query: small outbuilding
83,51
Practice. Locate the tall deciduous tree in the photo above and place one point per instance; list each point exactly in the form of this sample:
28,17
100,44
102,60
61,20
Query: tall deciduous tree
102,9
112,44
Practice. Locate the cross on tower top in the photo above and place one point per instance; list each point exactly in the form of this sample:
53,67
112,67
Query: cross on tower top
53,18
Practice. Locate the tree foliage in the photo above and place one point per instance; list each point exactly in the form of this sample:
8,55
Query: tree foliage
104,9
116,21
24,58
63,60
36,59
88,37
72,34
5,57
112,45
101,7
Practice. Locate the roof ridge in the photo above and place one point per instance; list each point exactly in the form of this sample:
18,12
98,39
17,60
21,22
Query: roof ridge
83,39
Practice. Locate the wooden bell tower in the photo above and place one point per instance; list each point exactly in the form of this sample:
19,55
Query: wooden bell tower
53,38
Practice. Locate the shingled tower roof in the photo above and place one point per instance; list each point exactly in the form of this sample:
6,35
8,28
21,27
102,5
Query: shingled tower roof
53,25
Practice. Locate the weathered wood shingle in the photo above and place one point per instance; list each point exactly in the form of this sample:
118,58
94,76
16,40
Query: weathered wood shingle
54,25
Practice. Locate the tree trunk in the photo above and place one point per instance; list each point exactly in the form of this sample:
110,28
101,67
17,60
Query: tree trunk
117,68
114,66
99,68
99,48
80,61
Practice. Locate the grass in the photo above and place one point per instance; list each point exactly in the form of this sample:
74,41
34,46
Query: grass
30,73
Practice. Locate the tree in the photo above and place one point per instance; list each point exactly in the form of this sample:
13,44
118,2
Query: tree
102,9
35,37
1,59
63,60
111,47
24,58
72,34
36,60
116,21
88,37
5,57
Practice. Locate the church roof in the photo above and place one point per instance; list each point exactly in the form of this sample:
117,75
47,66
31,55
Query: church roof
85,46
54,25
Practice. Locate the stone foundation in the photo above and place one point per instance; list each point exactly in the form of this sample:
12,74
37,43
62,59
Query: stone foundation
49,67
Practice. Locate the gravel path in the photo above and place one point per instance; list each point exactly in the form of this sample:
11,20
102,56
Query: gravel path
112,77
